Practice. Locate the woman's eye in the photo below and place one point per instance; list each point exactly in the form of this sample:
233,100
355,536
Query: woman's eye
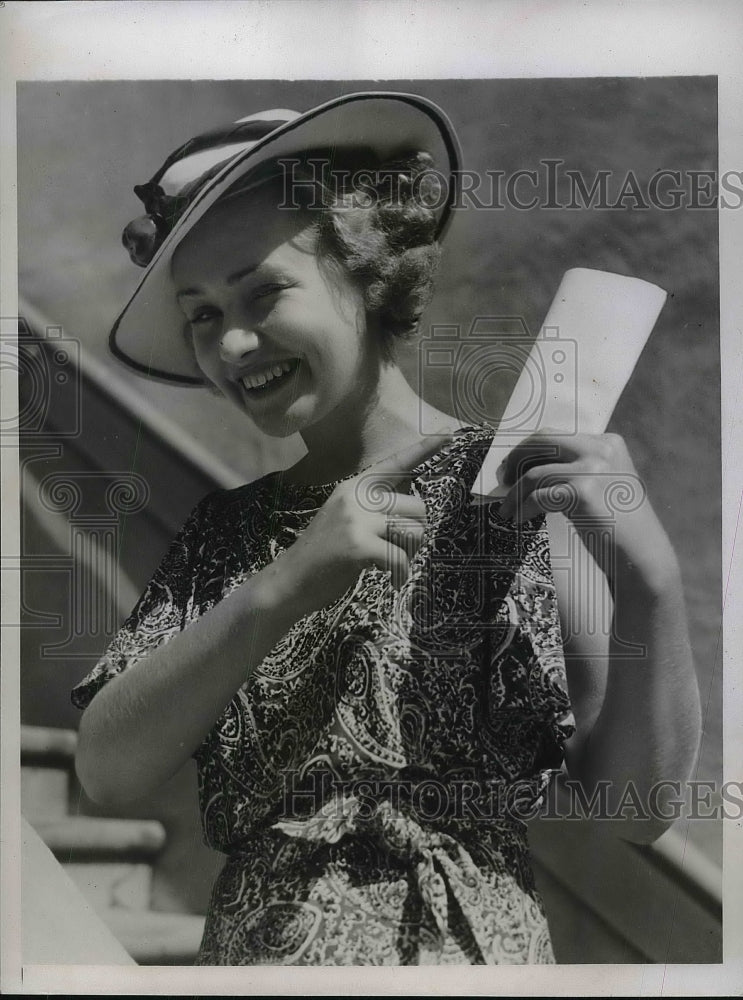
202,316
265,290
207,314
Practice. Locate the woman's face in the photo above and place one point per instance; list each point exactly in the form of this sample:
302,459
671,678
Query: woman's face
283,340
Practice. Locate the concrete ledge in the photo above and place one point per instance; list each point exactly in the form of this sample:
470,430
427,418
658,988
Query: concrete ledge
93,839
157,938
648,902
45,793
44,746
121,884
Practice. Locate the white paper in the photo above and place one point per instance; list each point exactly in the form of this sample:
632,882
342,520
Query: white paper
584,355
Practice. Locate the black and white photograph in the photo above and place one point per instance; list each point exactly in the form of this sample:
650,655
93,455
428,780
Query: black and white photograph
367,447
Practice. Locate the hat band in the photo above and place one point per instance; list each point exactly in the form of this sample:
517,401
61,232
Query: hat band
143,236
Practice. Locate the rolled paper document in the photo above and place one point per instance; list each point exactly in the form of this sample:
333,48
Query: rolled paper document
586,350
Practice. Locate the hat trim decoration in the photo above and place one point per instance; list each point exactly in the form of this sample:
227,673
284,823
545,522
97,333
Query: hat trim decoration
218,176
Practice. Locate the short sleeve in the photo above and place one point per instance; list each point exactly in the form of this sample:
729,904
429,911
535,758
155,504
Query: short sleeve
164,609
528,671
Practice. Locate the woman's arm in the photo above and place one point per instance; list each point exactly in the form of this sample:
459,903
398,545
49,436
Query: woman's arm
147,721
638,716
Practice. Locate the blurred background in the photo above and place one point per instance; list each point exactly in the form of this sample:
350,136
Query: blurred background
83,145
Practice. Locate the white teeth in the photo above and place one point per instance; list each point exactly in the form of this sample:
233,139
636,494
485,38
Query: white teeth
255,381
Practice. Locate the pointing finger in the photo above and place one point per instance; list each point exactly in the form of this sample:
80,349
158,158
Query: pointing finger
549,485
538,449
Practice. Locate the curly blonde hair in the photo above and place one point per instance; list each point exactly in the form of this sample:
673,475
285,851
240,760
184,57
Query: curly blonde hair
374,221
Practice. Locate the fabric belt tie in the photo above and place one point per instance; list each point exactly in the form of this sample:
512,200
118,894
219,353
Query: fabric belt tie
440,860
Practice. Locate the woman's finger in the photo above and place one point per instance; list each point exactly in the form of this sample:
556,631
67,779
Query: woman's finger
391,558
551,486
376,496
394,474
538,502
403,530
406,506
406,533
546,446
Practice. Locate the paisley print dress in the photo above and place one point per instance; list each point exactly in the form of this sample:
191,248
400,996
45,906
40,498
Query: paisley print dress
369,781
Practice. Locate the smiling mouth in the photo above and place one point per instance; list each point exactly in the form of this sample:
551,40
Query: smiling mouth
270,378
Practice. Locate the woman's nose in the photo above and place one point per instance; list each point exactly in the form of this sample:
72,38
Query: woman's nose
237,341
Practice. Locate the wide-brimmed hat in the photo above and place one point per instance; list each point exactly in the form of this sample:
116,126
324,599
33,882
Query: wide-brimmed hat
149,334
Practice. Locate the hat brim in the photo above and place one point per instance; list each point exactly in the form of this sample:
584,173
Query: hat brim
149,335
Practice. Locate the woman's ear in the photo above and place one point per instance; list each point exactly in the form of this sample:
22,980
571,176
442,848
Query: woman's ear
373,330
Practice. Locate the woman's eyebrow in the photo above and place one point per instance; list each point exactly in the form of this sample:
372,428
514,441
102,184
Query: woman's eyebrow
232,279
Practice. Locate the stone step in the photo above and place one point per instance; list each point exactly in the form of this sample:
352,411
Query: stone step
47,761
42,746
91,838
105,884
107,859
153,938
45,792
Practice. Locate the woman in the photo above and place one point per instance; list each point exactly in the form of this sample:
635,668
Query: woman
367,668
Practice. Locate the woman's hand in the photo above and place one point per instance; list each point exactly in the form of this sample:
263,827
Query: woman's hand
592,480
369,520
145,723
633,684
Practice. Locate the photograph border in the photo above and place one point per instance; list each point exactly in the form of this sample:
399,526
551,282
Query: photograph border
386,39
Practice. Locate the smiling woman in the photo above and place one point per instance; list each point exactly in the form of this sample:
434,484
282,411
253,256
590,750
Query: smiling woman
370,717
335,284
281,313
